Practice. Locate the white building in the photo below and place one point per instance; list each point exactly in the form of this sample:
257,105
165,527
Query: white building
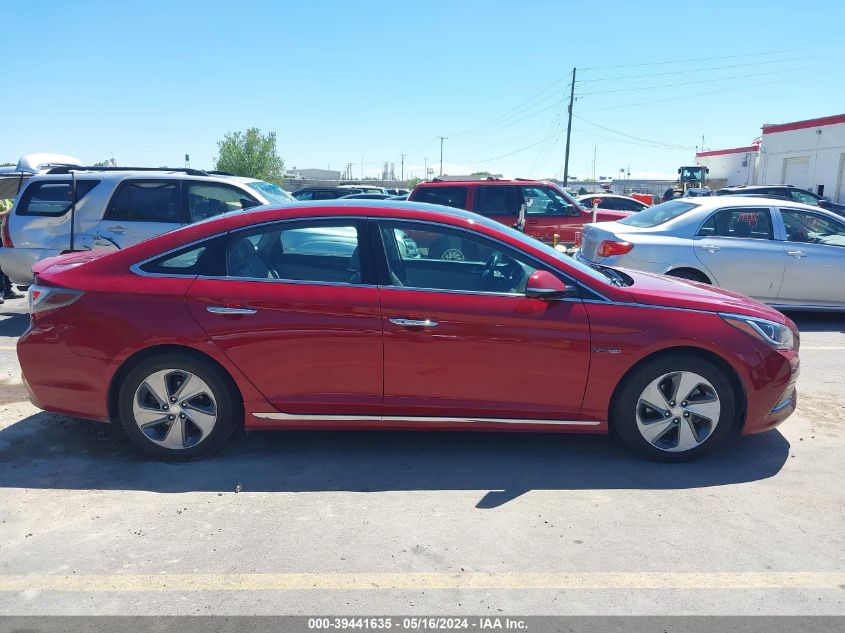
735,166
808,154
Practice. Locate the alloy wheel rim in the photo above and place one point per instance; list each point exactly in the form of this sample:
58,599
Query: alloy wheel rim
174,409
678,411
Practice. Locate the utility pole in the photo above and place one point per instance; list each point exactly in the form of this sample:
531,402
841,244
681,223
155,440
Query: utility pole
442,138
403,167
362,168
425,173
569,130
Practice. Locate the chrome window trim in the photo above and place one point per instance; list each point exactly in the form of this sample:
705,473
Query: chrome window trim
136,268
424,419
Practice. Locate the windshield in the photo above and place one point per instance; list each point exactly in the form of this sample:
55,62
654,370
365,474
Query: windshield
658,214
273,193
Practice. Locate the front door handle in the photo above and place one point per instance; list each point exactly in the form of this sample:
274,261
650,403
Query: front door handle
117,229
413,322
798,254
711,247
225,310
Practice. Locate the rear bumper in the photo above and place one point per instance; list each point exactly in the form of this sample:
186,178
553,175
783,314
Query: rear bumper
17,263
59,380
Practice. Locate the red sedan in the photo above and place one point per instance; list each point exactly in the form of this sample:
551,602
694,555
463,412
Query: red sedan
331,315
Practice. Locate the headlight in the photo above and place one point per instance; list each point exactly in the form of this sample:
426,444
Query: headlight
775,334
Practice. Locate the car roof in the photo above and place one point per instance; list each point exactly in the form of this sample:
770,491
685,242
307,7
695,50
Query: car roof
145,175
715,202
447,183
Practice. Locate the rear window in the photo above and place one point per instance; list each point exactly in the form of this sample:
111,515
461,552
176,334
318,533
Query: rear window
659,214
52,197
448,196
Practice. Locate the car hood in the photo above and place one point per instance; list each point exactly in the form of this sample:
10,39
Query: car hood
671,292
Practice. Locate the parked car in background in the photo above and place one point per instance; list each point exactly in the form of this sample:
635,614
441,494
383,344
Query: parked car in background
782,253
361,188
550,213
612,202
397,192
367,196
115,208
324,193
784,192
313,317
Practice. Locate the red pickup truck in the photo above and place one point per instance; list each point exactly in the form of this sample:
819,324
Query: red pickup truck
549,210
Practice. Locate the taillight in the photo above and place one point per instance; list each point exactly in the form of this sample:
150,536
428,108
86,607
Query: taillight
609,248
5,236
43,298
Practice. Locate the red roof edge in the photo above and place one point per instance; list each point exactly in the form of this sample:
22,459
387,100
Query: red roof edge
802,125
733,150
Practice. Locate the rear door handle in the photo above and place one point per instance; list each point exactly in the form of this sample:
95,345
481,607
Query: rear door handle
225,310
711,247
413,322
116,229
798,254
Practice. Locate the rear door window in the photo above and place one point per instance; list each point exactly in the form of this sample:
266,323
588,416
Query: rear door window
447,196
147,201
207,199
52,197
327,194
747,223
496,200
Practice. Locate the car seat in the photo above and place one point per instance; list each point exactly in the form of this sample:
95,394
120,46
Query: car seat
244,261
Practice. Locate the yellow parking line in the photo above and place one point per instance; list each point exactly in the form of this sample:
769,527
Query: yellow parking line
7,347
422,581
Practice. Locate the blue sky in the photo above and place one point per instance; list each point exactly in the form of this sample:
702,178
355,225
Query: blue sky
147,82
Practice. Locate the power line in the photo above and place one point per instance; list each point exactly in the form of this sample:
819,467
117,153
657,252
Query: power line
695,59
514,111
635,138
691,96
694,70
690,83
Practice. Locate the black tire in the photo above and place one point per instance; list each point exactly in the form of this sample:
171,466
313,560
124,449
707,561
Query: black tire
690,275
227,406
626,400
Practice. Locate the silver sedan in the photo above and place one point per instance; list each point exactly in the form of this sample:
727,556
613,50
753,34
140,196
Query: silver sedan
785,254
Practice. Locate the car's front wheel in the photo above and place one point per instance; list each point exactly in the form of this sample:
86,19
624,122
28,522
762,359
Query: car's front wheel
178,407
674,408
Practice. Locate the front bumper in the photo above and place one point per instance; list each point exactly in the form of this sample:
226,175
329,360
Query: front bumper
776,398
17,263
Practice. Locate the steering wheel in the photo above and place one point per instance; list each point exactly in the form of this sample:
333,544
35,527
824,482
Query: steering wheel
501,274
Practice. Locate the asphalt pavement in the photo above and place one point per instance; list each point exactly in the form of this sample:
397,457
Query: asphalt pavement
424,523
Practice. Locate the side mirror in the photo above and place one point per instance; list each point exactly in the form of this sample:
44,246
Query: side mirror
544,285
248,204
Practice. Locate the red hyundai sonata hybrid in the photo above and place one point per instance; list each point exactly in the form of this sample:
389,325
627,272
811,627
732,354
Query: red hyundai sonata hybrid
333,316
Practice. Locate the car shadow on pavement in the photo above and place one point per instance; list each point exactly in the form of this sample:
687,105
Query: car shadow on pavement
13,323
52,451
818,321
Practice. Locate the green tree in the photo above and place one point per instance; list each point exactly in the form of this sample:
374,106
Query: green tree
413,182
250,154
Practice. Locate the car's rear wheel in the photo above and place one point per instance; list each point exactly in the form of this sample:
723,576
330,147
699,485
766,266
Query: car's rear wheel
178,407
674,408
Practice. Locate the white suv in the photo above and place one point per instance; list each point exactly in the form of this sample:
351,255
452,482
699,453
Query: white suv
116,207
